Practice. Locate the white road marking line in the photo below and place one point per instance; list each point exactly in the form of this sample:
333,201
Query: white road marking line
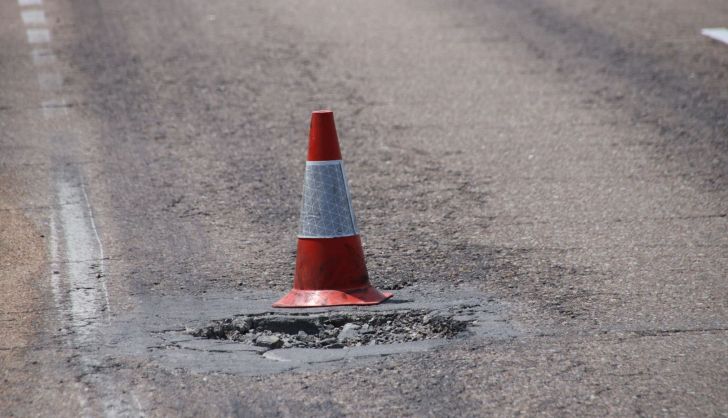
43,57
78,268
33,17
38,36
55,264
50,81
718,34
58,294
102,267
53,103
80,288
54,107
87,285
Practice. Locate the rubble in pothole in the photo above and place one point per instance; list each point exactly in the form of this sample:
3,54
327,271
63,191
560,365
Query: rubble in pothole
337,329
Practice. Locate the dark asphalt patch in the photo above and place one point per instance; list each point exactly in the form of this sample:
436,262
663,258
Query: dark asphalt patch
421,319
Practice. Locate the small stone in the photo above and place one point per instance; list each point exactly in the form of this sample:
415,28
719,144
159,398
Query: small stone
243,324
348,332
302,334
218,331
269,341
326,342
335,345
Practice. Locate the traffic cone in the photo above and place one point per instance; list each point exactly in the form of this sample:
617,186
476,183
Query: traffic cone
330,267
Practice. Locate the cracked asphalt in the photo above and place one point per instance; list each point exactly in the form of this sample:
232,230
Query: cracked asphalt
561,164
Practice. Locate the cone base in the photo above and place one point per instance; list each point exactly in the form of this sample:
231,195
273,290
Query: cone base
297,298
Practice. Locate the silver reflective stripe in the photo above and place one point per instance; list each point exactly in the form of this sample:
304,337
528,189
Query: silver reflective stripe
326,210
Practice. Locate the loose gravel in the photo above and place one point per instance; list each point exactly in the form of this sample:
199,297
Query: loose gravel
337,330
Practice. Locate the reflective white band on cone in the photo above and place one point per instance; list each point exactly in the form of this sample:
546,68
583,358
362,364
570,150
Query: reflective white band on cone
326,210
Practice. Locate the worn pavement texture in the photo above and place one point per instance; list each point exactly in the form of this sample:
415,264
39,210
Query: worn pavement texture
566,160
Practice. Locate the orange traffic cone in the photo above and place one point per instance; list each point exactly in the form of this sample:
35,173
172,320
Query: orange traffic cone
330,267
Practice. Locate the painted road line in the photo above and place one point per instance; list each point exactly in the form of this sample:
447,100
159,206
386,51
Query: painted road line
43,57
101,267
78,282
50,81
84,255
718,34
55,107
33,17
38,36
78,265
55,263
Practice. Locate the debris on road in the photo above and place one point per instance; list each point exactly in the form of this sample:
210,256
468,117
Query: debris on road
337,329
270,341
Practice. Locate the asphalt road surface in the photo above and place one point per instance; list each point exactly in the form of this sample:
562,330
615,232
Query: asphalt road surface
560,165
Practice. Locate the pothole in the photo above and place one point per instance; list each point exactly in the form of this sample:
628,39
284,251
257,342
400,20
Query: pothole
338,329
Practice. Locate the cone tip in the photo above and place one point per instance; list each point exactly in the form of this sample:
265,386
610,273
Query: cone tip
323,141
